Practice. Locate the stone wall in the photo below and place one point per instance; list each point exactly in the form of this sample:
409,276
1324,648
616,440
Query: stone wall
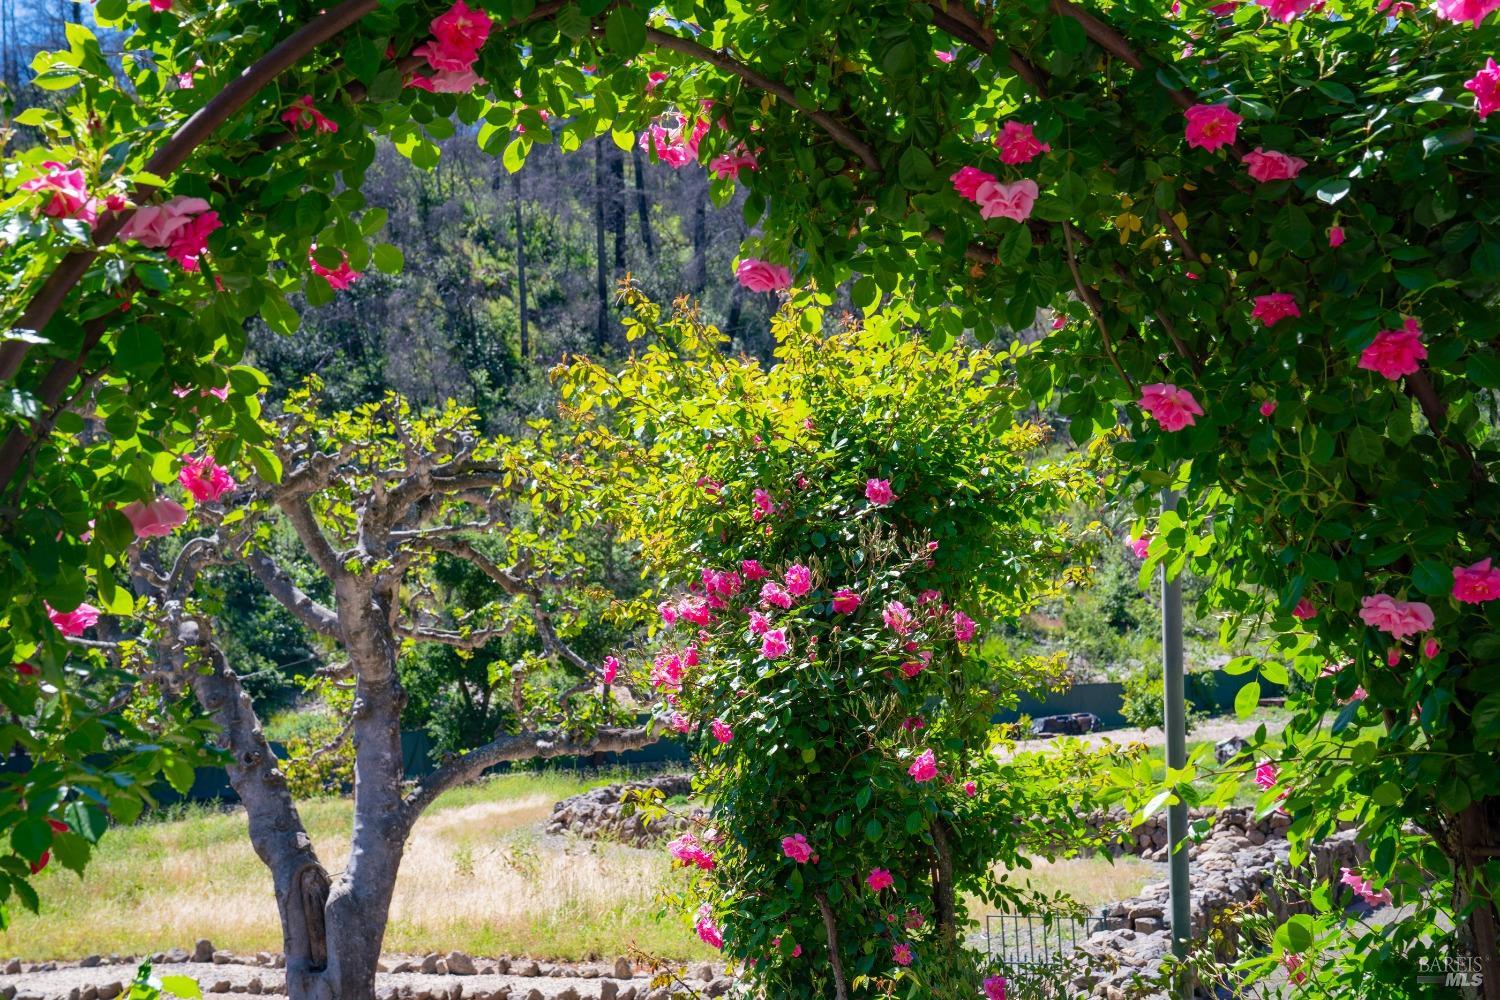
603,813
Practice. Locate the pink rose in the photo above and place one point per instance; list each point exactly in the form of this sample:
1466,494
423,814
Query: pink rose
189,241
655,79
845,601
1268,408
69,193
1465,10
798,579
1266,775
1210,126
963,627
994,988
878,492
945,56
1304,610
155,519
1285,11
773,644
1399,618
1430,649
707,930
1140,546
762,276
446,81
668,146
763,505
680,723
1006,201
303,116
611,669
721,730
924,768
752,569
1394,353
971,788
1335,236
1172,407
1486,87
727,166
204,479
338,278
686,850
1018,143
1363,889
897,618
155,225
968,180
879,879
1273,308
1269,165
775,594
797,848
901,954
462,28
161,6
1477,583
73,623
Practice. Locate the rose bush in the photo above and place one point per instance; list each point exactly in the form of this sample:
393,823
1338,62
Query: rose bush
836,533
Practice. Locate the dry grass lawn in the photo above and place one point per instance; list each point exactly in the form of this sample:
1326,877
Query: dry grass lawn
477,877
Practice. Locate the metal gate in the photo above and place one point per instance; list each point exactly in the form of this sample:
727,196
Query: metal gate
1019,940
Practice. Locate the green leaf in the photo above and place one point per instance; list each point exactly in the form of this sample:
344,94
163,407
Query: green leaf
388,258
1483,369
515,154
182,986
279,315
571,22
1387,794
1296,935
1433,578
138,351
873,830
625,31
31,837
1487,716
179,773
865,294
1068,35
1332,190
1247,700
88,819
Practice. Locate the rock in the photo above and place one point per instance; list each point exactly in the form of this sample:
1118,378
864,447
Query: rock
219,986
567,994
110,990
255,986
527,968
719,987
608,990
623,968
90,962
222,957
89,993
502,965
430,963
13,967
456,991
404,966
1147,925
381,966
706,973
203,951
7,992
605,814
629,993
535,995
460,964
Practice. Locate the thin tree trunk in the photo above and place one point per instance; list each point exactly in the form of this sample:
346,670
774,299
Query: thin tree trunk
643,203
515,190
835,963
601,267
615,160
1477,836
698,269
944,899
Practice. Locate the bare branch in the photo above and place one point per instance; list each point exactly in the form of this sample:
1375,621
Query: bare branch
280,586
300,513
837,130
521,746
448,637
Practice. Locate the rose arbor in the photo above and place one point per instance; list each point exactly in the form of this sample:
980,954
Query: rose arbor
842,529
1280,214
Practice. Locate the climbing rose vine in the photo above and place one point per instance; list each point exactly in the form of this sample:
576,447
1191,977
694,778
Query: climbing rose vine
824,648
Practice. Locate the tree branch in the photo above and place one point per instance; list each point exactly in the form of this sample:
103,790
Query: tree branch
835,962
965,25
1090,300
300,513
448,637
836,129
521,746
286,593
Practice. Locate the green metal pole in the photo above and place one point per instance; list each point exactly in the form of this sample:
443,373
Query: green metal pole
1176,729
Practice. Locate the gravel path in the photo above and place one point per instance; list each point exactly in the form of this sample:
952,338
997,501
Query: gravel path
583,982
